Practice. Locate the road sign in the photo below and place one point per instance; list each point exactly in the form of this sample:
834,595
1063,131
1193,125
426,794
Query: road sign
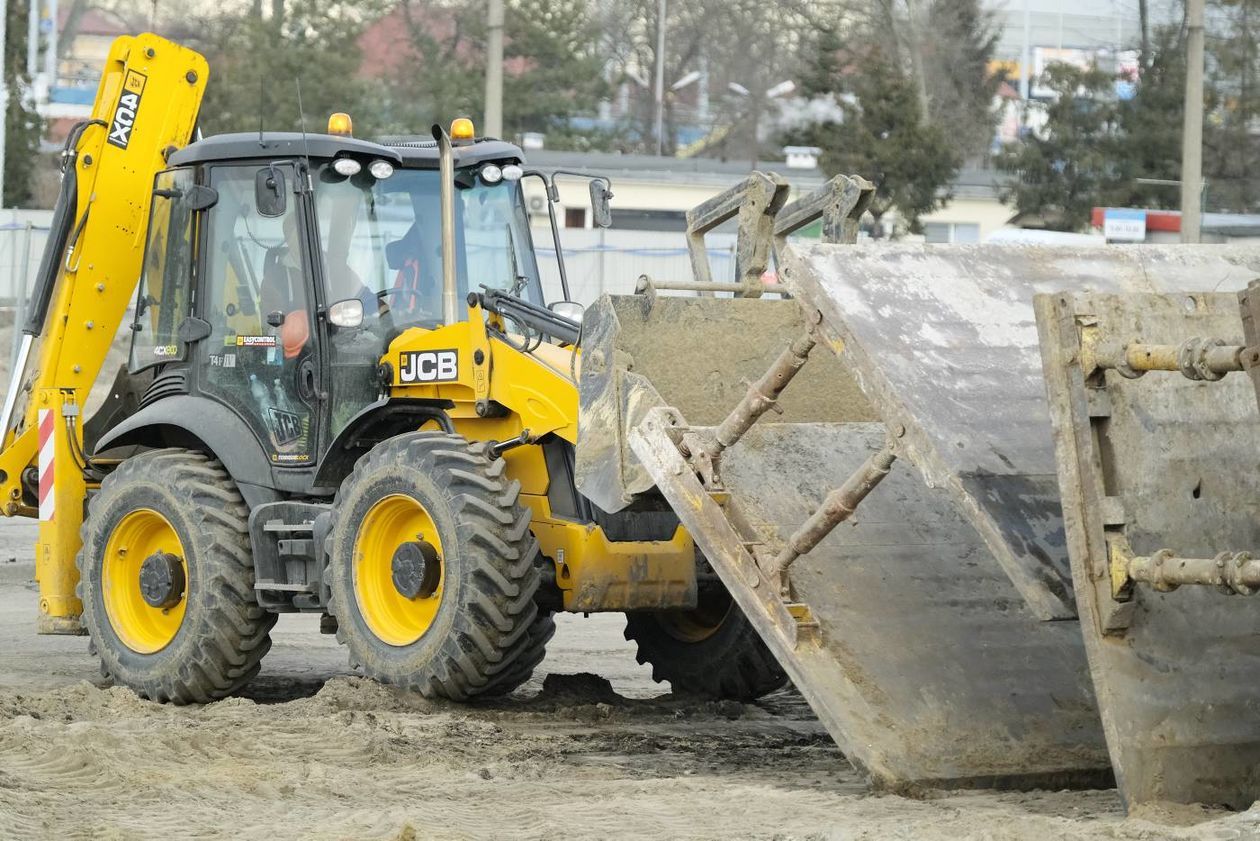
1124,224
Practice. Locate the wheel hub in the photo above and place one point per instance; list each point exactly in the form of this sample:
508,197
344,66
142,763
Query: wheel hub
416,569
162,580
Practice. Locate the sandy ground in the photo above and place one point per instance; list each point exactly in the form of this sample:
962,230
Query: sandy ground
313,752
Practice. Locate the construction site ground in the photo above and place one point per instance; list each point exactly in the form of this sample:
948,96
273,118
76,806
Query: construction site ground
313,752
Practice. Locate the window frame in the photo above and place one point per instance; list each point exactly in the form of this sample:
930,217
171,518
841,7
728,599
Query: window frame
190,307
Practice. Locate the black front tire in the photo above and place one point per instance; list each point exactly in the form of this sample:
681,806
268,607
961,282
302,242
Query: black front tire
532,654
224,633
482,624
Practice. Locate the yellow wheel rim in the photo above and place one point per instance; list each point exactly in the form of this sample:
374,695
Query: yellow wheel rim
142,627
702,622
394,618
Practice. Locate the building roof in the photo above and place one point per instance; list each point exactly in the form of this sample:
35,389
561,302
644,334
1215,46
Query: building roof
969,183
654,168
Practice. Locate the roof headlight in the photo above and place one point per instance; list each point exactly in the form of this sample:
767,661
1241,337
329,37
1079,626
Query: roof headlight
346,166
491,174
512,172
381,170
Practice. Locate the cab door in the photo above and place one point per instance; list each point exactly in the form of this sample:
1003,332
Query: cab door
165,293
261,357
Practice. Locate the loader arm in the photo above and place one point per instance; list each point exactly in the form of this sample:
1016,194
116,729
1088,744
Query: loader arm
145,107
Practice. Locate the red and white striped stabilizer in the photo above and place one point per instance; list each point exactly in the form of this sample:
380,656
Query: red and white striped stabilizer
47,450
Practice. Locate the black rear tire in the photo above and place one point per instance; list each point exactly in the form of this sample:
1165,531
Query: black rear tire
481,624
224,634
712,651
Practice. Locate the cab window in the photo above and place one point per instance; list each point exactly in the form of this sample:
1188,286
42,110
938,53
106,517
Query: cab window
164,298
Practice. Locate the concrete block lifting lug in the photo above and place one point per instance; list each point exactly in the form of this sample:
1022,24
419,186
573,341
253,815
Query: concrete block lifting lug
836,508
704,452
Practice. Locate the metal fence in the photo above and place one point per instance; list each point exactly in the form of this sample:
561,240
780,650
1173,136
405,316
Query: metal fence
600,261
22,237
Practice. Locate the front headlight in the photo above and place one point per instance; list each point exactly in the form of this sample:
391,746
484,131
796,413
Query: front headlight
381,170
491,174
347,166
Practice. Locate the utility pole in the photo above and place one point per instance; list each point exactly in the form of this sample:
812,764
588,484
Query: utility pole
1192,129
1025,57
659,121
32,41
916,56
494,70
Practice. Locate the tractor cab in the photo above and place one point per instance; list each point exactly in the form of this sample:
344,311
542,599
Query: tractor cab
280,267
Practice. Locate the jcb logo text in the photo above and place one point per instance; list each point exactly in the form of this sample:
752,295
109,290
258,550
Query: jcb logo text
428,366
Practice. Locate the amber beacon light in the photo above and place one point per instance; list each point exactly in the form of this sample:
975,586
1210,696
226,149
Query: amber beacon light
340,123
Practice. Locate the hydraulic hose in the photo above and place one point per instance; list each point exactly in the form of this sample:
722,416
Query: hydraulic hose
58,237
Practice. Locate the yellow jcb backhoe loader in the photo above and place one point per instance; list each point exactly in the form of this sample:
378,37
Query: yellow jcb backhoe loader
345,395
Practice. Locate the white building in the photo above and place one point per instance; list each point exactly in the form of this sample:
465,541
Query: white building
1075,31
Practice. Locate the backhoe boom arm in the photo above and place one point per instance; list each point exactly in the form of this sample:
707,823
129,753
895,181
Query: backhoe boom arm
145,107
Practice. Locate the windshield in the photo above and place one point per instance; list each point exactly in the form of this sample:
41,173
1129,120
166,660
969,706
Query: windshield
382,242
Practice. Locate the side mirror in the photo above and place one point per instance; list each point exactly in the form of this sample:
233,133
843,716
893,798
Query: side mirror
201,197
601,200
571,310
347,313
269,191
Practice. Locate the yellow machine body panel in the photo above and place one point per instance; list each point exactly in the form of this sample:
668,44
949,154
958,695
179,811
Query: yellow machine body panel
146,106
539,393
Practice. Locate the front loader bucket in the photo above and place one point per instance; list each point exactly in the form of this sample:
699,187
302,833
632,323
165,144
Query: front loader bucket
934,632
1163,462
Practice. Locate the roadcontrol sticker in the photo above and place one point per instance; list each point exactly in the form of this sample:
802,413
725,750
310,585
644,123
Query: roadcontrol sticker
428,366
125,112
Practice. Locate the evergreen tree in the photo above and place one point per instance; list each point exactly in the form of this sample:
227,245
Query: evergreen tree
23,126
1231,160
257,64
960,86
1149,126
882,135
560,65
553,68
1064,170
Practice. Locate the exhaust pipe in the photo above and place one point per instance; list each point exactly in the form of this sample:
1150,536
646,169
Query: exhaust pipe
446,171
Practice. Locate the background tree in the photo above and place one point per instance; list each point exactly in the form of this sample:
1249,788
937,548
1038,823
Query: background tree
880,131
1230,155
23,127
559,71
257,62
956,64
1065,169
553,66
1148,142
